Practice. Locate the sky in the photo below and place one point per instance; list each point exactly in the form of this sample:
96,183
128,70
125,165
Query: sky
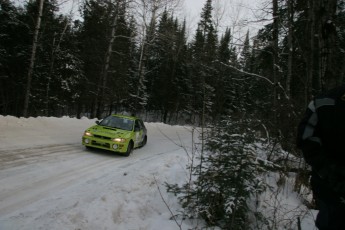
49,180
238,15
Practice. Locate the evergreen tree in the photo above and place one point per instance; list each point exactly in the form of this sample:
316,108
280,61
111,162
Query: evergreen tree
54,75
222,85
32,61
66,72
203,72
230,176
120,61
14,52
245,59
94,36
133,78
168,63
182,79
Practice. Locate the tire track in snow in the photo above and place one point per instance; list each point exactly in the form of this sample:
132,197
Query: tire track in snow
18,157
32,190
84,167
147,158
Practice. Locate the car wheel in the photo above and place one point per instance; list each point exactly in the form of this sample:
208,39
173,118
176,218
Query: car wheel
129,149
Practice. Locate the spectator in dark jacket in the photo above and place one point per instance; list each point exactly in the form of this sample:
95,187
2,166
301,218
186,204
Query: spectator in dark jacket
321,137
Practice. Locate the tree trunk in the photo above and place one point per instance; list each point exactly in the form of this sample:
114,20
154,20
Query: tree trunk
52,61
290,57
103,84
310,53
32,60
275,59
51,69
328,45
145,43
141,70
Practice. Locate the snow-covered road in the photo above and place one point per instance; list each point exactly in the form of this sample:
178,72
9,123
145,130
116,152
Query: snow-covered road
48,180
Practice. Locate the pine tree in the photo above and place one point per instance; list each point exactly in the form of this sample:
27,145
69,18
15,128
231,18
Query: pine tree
65,88
47,77
32,58
94,39
182,79
167,62
116,61
133,78
245,59
222,85
55,65
14,52
203,72
229,178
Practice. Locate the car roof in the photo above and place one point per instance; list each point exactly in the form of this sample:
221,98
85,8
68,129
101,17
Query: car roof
125,116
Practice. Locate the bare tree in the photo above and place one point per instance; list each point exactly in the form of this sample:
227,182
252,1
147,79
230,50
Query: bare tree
148,12
104,75
32,59
219,9
55,49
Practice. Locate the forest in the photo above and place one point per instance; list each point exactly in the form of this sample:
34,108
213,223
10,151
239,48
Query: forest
113,59
54,65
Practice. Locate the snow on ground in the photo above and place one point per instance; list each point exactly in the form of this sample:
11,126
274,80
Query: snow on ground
50,181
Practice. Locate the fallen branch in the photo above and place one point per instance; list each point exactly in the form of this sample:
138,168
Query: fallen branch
166,204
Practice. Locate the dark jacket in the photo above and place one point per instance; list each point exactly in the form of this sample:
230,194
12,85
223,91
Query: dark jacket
321,137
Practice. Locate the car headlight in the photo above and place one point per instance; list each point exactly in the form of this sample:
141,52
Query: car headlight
119,140
87,133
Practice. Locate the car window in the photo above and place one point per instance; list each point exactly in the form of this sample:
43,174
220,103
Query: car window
141,123
118,123
127,124
106,121
137,125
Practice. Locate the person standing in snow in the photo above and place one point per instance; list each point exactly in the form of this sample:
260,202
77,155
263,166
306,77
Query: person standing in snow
321,137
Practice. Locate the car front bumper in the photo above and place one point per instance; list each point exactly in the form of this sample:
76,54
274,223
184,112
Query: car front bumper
104,144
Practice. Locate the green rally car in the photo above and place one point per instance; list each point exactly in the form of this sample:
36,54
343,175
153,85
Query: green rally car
116,133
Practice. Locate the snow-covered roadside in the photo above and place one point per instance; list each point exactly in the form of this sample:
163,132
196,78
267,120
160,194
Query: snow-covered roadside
49,181
31,132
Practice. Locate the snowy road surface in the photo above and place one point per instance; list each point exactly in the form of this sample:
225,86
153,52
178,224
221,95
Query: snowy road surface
48,180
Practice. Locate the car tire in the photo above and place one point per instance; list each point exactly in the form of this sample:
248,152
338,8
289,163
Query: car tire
129,149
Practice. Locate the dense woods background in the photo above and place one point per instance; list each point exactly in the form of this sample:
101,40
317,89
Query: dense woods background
115,59
109,62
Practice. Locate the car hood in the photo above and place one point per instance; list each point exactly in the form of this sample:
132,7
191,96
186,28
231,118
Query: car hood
108,131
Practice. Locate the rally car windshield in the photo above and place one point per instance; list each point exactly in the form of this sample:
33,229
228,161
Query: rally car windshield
118,123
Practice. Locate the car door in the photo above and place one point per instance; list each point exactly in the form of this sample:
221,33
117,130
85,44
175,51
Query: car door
138,129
